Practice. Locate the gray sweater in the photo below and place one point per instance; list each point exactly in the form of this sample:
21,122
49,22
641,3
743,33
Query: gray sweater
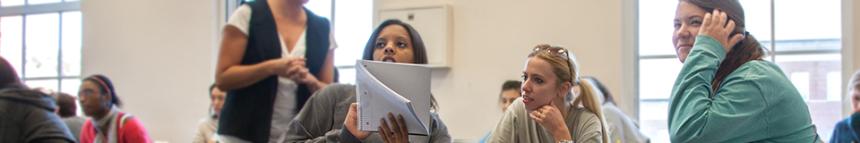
322,118
622,128
516,126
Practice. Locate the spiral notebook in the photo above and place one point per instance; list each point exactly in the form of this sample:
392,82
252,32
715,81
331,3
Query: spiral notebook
393,87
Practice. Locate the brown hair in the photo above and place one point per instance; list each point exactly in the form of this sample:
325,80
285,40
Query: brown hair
420,51
510,85
67,103
566,69
746,50
8,77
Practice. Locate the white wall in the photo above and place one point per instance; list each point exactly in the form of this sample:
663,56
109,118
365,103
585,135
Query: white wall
854,32
159,55
493,37
850,51
849,24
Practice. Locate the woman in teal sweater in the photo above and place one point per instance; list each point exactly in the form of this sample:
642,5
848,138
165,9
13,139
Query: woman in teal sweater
725,92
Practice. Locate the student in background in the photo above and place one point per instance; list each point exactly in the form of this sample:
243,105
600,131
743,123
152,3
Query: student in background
510,92
274,54
101,103
725,91
331,114
27,116
208,125
848,130
69,112
622,128
543,114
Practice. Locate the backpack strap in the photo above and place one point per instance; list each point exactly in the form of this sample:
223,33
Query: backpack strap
120,122
123,119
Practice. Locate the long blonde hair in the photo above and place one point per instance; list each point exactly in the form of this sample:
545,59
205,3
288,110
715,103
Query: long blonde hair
566,69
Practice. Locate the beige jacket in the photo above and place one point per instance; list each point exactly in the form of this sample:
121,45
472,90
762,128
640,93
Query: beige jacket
516,126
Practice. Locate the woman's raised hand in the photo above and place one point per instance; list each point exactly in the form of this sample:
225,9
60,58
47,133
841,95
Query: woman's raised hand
718,26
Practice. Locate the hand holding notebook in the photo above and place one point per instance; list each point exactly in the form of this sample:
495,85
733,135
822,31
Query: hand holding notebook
399,89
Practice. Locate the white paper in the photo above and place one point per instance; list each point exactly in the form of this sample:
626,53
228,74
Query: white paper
402,89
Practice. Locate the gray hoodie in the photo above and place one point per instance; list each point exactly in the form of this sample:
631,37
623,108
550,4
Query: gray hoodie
321,120
27,116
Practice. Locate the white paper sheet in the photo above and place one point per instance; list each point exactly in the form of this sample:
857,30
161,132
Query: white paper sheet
397,88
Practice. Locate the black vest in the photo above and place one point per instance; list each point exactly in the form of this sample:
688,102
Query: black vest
247,112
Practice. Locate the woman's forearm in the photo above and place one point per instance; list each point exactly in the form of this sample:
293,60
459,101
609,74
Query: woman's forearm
561,134
239,76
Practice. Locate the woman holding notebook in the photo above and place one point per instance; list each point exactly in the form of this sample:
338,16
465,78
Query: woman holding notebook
331,114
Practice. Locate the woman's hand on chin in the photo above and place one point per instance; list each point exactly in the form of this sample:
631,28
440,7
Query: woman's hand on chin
550,118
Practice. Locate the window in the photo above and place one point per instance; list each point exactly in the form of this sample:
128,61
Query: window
353,25
806,44
352,21
42,41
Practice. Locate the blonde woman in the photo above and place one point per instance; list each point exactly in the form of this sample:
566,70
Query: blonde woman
542,114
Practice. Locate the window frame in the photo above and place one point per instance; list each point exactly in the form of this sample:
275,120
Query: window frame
60,8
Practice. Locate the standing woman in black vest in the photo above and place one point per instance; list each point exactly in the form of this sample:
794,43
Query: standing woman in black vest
274,54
